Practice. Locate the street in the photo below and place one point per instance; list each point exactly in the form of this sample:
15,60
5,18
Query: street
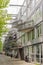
6,60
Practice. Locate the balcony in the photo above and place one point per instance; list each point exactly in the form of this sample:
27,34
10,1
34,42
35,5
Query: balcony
34,41
26,26
37,40
26,44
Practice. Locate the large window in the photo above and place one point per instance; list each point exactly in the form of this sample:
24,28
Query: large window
37,16
37,52
26,38
32,34
33,49
28,35
30,52
39,30
23,39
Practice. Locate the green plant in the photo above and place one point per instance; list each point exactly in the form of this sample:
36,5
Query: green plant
37,64
3,18
4,3
1,46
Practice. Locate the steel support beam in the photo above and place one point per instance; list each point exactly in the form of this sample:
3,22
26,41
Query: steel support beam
17,5
13,15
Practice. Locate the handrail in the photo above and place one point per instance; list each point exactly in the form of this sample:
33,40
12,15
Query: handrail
26,22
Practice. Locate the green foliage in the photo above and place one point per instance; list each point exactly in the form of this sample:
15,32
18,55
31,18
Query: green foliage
3,15
3,18
37,64
4,3
8,17
1,46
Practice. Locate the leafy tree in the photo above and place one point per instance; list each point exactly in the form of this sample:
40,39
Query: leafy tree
3,18
4,3
1,46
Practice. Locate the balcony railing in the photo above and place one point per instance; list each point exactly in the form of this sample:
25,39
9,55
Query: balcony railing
26,44
34,41
26,25
37,40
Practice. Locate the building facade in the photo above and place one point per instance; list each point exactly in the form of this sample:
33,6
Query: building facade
30,28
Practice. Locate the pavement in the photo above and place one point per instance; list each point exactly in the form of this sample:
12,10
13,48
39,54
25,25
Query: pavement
6,60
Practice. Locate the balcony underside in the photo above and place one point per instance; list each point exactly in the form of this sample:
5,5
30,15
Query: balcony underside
26,29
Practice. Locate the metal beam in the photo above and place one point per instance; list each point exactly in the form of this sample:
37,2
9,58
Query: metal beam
17,5
8,23
13,15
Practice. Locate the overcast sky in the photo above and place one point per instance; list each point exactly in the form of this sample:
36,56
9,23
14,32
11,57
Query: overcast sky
14,9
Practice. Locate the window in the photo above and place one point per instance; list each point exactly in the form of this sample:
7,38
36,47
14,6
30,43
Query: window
32,34
26,38
23,39
33,53
30,51
28,35
38,30
37,16
37,52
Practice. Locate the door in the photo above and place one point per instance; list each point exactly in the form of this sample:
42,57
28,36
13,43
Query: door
21,51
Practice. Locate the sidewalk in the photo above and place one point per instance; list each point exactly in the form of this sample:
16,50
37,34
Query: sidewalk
21,62
6,60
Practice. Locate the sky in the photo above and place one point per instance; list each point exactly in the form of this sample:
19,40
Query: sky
14,9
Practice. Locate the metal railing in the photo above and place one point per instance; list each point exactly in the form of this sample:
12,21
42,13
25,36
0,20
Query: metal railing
37,40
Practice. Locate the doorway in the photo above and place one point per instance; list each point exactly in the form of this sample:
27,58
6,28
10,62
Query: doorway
21,51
